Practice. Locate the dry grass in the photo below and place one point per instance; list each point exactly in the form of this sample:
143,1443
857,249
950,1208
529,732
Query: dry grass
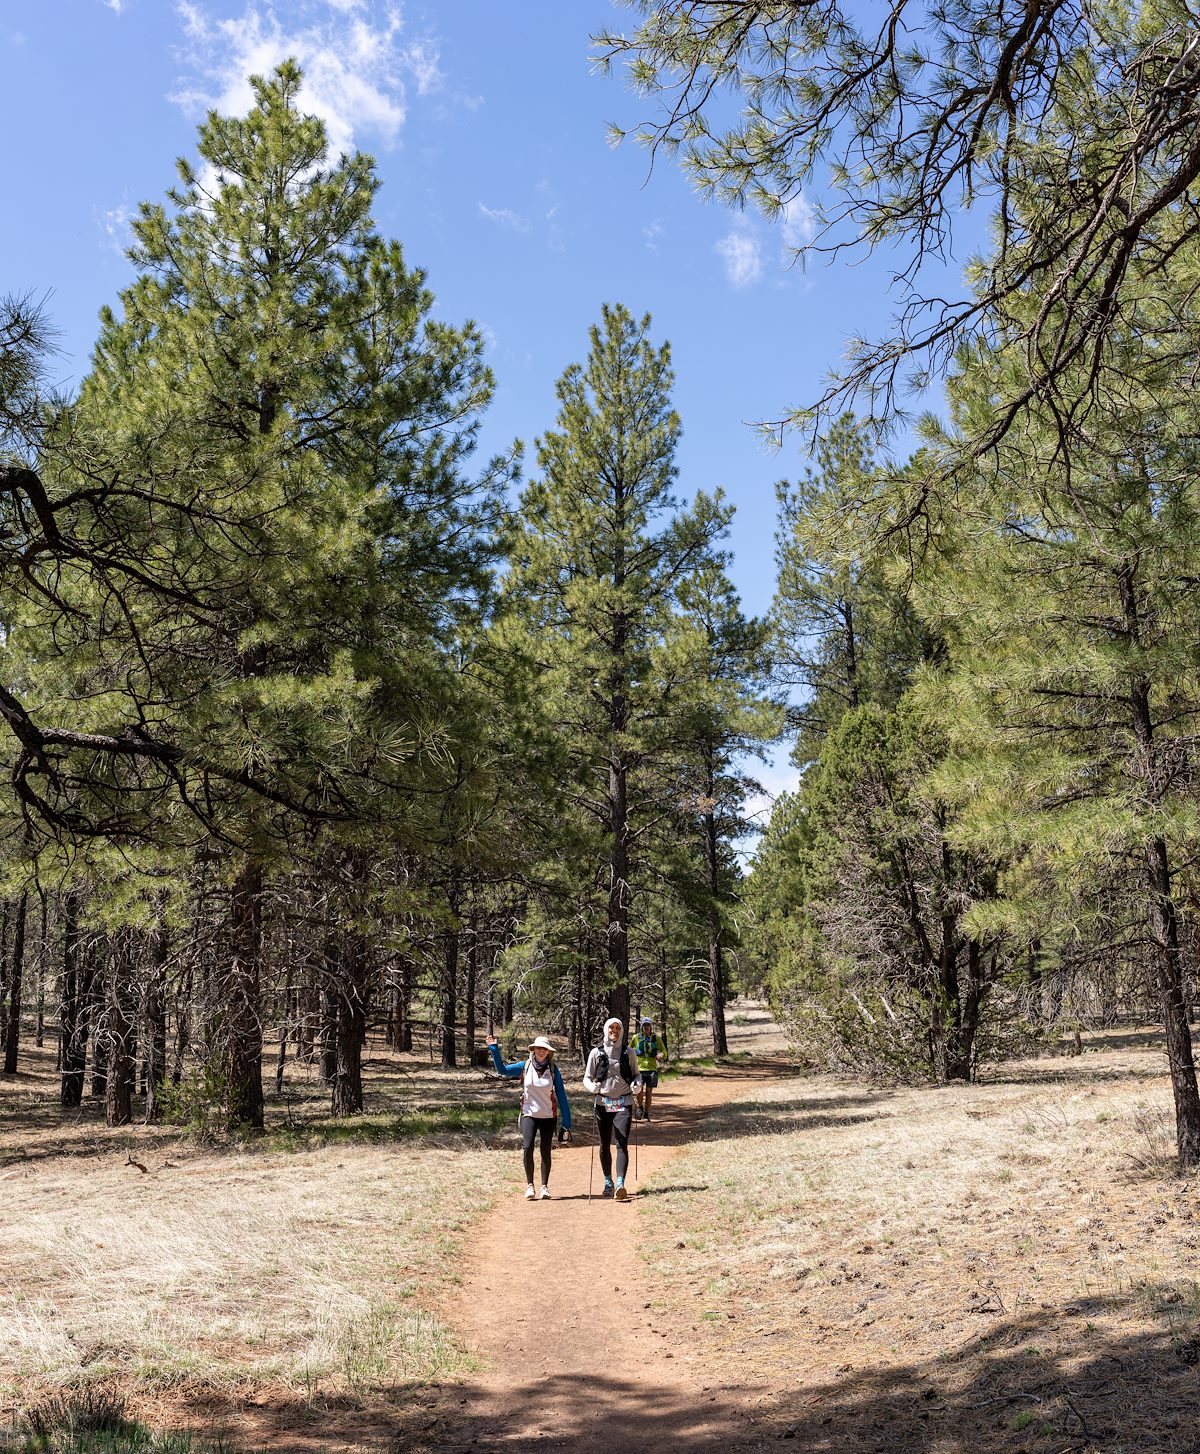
964,1255
304,1267
1007,1266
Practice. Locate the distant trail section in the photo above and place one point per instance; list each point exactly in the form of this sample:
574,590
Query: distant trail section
554,1306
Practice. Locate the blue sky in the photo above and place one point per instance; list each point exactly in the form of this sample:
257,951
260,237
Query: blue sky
489,126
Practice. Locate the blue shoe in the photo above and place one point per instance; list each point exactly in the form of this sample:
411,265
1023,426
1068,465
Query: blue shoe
621,1193
608,1188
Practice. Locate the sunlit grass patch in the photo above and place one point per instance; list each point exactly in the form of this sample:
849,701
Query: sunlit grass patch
895,1221
420,1122
319,1270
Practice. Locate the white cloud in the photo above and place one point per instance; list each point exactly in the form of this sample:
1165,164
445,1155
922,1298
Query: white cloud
652,234
505,217
799,222
116,6
742,253
555,240
114,225
422,59
354,57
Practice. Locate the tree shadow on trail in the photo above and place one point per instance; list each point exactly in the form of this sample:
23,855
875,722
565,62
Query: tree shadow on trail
1003,1394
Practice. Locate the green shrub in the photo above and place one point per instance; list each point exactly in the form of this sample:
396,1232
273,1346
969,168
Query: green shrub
197,1104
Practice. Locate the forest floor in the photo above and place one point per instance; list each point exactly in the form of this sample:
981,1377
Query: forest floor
1009,1266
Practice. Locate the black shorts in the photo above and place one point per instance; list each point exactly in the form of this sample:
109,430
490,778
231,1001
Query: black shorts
650,1078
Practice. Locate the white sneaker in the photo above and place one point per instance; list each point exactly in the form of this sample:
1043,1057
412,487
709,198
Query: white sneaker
529,1192
545,1193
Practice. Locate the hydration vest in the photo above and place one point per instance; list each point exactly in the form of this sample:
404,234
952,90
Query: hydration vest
603,1064
647,1047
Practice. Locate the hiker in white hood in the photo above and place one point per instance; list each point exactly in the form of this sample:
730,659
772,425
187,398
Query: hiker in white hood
611,1076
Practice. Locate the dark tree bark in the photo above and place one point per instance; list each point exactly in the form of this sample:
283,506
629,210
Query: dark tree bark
39,1021
405,991
449,985
353,979
5,972
471,987
1162,915
242,1027
12,1034
1164,935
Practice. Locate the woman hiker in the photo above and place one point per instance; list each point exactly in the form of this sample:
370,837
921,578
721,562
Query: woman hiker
612,1078
543,1099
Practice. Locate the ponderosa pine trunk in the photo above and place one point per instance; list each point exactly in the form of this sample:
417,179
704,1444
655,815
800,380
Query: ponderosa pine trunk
956,1032
1168,964
1162,916
39,1020
353,981
470,988
12,1035
242,1020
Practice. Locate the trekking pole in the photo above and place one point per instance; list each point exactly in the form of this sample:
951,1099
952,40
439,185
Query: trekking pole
635,1147
592,1157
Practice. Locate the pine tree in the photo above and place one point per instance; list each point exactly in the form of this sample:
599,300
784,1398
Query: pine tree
844,634
602,549
271,446
714,662
1072,705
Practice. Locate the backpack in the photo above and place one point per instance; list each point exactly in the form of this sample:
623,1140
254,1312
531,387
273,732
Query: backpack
602,1066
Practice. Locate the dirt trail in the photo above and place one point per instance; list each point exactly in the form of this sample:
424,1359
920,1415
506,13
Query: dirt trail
552,1301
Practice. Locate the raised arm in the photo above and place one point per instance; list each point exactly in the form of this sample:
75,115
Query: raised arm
514,1069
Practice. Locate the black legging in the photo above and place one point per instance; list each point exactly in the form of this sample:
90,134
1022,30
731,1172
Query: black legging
542,1126
614,1123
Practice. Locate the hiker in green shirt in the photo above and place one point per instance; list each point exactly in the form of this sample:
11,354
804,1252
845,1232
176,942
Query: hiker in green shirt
651,1051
